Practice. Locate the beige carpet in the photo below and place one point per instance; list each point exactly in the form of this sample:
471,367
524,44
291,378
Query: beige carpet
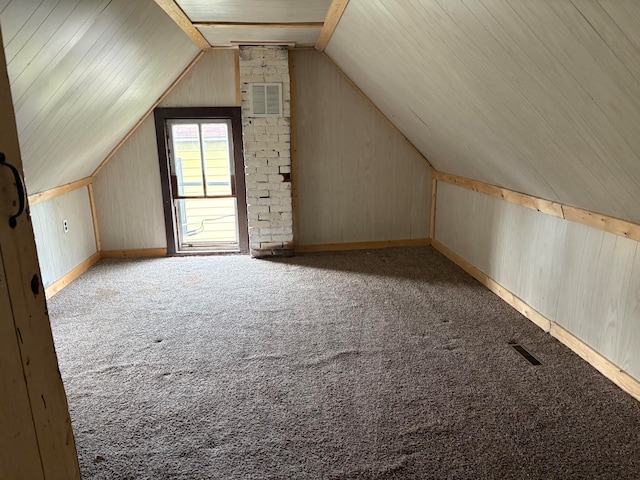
387,364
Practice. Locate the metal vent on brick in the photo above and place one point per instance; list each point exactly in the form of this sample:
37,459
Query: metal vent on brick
266,99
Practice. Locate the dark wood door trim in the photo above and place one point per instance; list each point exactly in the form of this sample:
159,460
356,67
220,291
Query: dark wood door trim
161,115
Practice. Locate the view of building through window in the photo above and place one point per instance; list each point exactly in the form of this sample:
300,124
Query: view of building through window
204,200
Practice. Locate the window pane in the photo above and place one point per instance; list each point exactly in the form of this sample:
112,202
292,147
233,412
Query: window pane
188,160
207,220
217,161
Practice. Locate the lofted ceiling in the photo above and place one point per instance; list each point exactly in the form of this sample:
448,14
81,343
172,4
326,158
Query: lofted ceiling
541,97
538,96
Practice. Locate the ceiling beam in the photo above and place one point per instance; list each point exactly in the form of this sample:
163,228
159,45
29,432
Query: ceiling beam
174,11
258,25
334,14
265,43
46,195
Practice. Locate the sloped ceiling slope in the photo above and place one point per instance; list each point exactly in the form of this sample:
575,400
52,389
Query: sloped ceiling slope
82,73
542,97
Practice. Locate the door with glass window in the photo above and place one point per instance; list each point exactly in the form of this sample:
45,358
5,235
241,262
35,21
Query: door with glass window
203,177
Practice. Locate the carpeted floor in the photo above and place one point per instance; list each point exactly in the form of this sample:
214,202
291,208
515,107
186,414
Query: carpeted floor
385,364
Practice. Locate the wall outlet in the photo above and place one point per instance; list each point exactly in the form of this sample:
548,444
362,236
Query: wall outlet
65,226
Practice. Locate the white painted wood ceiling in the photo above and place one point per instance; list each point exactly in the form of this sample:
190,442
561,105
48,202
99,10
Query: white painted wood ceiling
82,73
230,22
539,96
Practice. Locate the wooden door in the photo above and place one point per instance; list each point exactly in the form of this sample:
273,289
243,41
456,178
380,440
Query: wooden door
36,439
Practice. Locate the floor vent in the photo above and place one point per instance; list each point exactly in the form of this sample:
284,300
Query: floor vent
522,351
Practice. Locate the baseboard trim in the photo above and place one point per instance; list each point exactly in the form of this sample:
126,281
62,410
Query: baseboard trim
622,379
58,285
135,253
333,247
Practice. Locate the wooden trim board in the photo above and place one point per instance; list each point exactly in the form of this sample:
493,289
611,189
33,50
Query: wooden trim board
149,112
599,221
240,43
334,247
58,285
258,25
58,191
236,60
174,11
334,14
353,84
528,201
622,379
434,198
135,253
295,199
94,217
494,286
625,381
617,226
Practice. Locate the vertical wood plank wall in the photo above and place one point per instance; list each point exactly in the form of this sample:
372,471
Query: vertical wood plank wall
59,253
127,190
128,195
210,83
586,280
358,180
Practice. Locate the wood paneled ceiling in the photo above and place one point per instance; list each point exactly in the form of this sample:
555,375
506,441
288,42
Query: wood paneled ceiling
541,97
82,73
220,23
538,96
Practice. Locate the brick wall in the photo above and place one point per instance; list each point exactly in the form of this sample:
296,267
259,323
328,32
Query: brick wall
267,151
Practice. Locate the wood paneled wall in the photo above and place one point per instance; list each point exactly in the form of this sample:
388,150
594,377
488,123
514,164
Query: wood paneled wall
357,179
210,83
82,73
586,280
541,97
128,195
127,190
59,252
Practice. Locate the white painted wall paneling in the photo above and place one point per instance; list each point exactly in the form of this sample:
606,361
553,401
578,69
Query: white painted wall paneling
59,253
255,11
82,75
210,83
358,180
539,97
302,37
586,280
128,195
127,190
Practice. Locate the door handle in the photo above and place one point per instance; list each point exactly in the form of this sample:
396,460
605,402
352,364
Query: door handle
13,220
